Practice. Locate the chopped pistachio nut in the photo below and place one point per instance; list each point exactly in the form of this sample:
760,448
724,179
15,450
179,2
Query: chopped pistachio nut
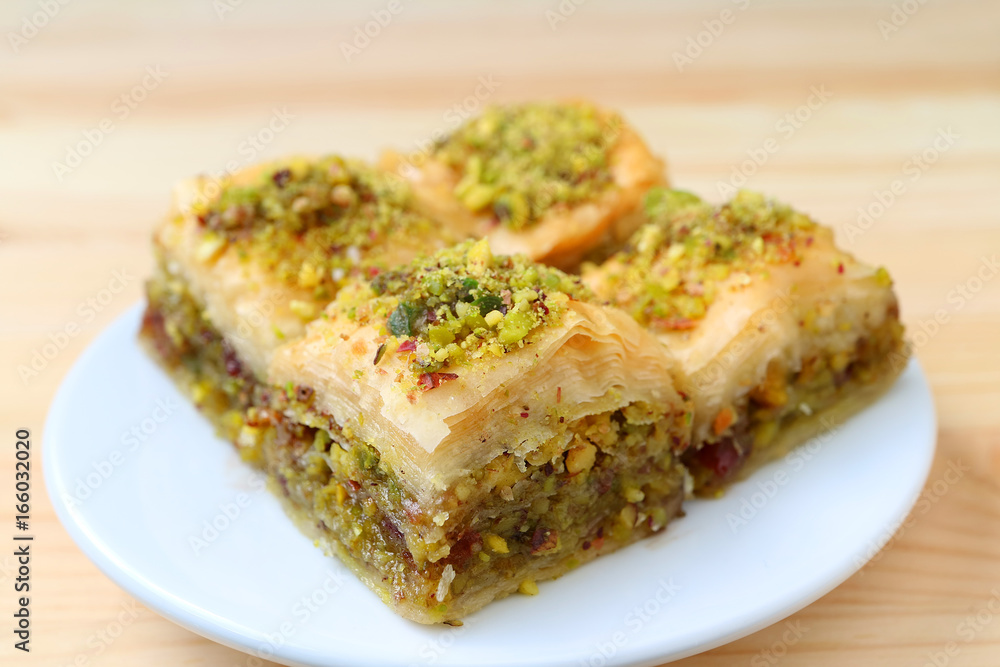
517,162
882,277
464,303
305,310
496,544
580,458
668,274
493,318
628,515
312,222
528,587
634,495
210,247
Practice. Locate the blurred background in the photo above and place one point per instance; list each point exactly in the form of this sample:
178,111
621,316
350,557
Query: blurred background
881,119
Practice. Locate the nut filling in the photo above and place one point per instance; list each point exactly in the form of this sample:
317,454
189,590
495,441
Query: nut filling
746,435
605,481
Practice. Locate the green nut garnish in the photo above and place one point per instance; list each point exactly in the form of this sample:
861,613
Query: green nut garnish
668,274
400,323
488,303
518,162
463,303
314,223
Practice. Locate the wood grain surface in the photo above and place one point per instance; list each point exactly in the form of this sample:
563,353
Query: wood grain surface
879,118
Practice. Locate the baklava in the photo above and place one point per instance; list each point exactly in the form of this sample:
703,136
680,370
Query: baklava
244,263
440,406
554,181
461,427
777,332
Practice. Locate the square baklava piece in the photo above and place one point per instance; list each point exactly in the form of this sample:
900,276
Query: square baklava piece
242,265
553,181
778,333
457,428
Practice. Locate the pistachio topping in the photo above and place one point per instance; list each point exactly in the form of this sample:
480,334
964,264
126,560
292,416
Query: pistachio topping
518,162
668,274
463,303
313,223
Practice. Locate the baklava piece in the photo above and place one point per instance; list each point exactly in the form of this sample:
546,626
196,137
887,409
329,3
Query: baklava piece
552,181
468,425
778,333
242,265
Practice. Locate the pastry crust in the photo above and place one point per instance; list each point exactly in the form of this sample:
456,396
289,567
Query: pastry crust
446,481
776,342
564,235
254,307
595,360
456,423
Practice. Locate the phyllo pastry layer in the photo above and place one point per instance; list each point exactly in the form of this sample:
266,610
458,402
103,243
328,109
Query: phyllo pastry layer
470,424
553,181
267,248
778,333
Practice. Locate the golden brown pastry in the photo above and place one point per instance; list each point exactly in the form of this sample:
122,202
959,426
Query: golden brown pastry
553,181
779,333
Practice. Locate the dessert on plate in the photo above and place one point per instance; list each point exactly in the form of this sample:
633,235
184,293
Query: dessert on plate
778,333
443,408
463,426
470,424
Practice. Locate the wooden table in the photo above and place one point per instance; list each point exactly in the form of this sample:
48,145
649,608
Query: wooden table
828,105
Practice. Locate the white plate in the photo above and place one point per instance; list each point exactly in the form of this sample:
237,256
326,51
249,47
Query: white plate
156,479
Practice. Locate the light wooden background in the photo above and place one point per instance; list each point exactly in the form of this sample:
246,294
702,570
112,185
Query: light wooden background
892,91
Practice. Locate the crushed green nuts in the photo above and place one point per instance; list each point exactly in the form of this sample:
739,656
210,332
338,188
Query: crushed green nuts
518,162
463,303
313,223
668,274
